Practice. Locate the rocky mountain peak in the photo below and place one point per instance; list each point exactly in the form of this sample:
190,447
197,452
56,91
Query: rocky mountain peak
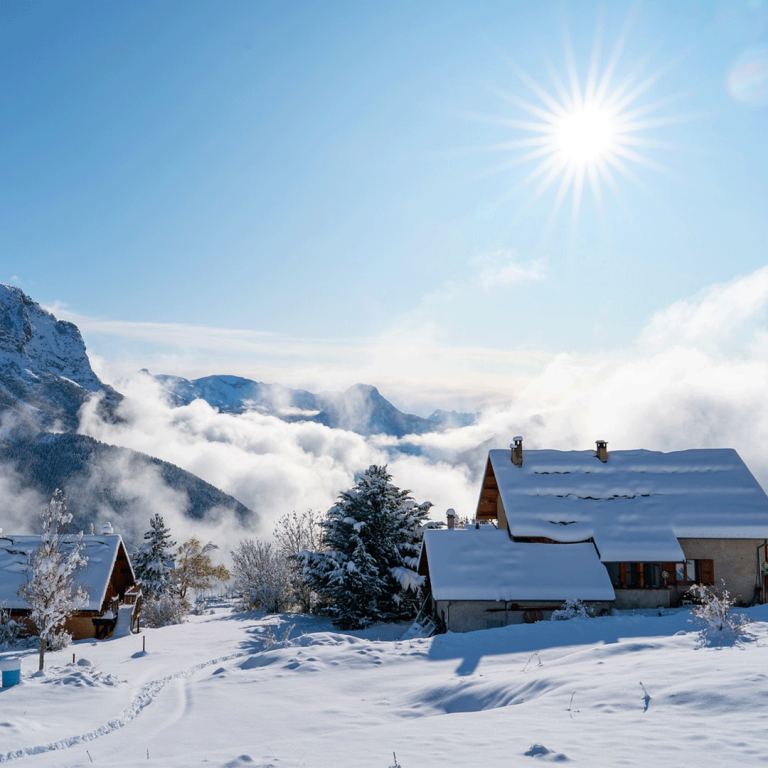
44,369
35,342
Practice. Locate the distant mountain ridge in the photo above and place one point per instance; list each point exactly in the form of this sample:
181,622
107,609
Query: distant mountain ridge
361,408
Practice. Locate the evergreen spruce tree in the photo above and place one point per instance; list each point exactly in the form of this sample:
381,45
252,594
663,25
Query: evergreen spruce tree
152,562
371,540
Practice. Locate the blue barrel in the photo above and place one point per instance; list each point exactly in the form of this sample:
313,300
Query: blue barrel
11,672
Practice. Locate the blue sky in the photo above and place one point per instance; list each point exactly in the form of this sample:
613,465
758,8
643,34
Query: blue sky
315,192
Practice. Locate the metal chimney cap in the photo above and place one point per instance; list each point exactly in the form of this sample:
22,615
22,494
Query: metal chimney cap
106,529
518,438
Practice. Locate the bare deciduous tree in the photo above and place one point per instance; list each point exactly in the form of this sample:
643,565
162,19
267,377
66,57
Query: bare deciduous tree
294,534
194,568
262,575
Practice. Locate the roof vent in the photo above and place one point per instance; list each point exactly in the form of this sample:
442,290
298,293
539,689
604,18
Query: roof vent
106,529
602,450
517,451
450,516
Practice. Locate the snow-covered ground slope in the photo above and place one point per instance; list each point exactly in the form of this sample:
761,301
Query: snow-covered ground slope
44,368
615,691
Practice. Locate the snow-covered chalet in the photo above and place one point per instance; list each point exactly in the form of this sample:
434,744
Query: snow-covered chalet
630,529
108,580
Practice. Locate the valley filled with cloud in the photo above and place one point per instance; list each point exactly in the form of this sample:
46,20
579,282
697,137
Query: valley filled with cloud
695,377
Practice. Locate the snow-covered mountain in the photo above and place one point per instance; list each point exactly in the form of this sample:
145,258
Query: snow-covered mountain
45,374
361,408
45,378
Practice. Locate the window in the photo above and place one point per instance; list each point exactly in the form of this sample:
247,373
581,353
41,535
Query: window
638,575
686,571
652,575
696,572
631,574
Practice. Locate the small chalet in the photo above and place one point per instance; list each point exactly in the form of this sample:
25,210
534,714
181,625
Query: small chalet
630,529
108,580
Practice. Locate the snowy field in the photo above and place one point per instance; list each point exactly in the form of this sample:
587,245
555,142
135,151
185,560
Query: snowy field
616,691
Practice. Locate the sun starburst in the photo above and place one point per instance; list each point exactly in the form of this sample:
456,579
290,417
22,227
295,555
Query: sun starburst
590,132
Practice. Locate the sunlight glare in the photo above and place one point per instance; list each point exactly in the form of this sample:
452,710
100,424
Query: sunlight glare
585,135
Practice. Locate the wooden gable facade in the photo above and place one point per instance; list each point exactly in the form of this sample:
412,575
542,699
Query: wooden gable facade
108,579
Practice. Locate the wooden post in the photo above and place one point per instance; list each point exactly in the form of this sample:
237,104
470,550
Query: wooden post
144,643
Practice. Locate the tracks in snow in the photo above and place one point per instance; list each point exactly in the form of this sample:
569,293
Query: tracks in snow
143,699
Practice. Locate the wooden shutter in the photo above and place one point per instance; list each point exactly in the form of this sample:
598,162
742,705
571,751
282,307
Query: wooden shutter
707,571
670,569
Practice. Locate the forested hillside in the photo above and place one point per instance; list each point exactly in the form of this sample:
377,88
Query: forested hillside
107,481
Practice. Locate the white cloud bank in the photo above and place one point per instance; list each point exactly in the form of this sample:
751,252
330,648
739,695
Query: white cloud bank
271,466
697,377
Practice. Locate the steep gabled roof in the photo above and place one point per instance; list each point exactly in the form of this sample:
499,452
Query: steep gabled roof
636,505
484,564
101,551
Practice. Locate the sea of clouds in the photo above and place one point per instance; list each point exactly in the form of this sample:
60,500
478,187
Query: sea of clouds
696,377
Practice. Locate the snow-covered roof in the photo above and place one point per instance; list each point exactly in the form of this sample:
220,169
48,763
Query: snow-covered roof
101,551
485,564
637,504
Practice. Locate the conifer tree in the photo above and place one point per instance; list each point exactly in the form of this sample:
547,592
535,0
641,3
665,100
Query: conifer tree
371,538
152,563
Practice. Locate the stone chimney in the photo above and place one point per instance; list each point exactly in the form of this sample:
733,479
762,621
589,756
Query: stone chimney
106,529
602,450
517,451
450,516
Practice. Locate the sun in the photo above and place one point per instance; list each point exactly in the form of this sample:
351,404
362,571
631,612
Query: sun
585,135
578,133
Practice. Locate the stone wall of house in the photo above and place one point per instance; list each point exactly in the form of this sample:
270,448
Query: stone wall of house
471,615
736,563
627,599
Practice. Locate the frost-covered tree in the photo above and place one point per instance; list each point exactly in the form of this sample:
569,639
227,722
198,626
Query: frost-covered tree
153,562
164,610
371,539
295,533
262,575
572,608
714,613
51,590
11,632
195,569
